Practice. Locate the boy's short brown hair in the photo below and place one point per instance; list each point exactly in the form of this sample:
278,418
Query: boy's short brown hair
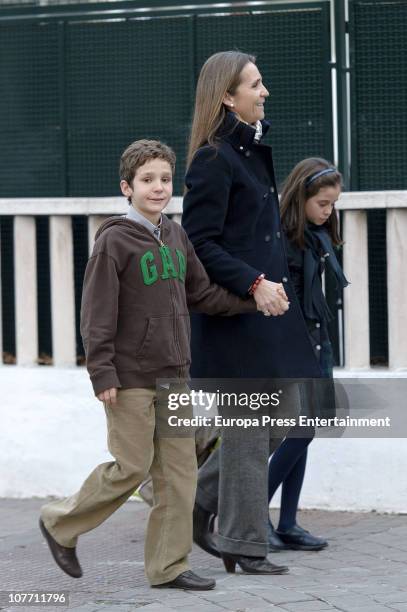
140,152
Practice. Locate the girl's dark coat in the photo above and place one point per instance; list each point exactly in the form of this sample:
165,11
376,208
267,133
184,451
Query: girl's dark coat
318,397
317,327
231,215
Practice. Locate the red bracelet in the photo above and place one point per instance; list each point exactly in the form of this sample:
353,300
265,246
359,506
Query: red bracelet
256,283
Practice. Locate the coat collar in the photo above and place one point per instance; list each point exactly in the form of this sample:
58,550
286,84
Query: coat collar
240,135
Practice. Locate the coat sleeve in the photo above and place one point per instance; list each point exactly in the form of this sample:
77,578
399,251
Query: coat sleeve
295,260
209,181
206,297
99,312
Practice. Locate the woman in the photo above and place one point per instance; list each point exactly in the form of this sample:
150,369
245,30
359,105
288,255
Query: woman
231,215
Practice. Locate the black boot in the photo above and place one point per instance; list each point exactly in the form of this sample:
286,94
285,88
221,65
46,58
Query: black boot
202,533
251,565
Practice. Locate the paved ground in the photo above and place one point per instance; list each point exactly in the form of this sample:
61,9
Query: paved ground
363,570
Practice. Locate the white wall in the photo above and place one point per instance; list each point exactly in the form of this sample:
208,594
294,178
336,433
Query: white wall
53,433
52,430
356,475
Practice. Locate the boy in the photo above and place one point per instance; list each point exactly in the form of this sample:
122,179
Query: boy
141,279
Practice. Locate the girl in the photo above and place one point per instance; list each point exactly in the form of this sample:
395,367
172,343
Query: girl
311,229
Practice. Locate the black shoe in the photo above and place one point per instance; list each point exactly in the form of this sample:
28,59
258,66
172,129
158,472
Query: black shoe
251,565
64,557
275,543
297,538
189,582
202,532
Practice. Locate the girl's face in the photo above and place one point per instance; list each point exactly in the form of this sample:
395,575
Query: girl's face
249,97
319,208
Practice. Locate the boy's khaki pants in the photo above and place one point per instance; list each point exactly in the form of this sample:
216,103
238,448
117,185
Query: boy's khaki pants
138,450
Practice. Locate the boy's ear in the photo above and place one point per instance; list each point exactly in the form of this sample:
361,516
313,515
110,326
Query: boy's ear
126,189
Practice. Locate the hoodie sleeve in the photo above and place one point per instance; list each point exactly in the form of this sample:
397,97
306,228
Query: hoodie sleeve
206,297
209,182
99,320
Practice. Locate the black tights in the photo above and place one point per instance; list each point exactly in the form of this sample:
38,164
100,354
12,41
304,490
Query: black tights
287,466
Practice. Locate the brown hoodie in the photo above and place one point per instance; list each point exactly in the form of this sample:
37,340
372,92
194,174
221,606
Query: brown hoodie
136,295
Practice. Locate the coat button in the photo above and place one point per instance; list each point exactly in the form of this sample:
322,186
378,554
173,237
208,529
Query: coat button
241,148
267,238
247,153
265,195
318,347
272,190
284,279
317,325
278,234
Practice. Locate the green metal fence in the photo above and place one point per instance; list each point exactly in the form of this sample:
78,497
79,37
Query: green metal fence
83,82
378,35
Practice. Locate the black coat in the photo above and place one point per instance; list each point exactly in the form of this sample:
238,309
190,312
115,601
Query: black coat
318,397
317,326
231,215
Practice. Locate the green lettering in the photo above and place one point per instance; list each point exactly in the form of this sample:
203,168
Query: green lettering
168,264
182,264
150,274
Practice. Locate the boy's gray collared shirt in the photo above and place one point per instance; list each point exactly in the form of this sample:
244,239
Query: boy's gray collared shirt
134,215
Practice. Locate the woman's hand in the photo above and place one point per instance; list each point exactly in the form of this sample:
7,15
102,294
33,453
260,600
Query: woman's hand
109,396
271,298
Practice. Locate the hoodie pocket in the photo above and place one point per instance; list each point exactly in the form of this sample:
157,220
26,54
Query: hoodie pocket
166,343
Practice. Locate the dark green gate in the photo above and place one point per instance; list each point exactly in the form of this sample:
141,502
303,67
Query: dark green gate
81,82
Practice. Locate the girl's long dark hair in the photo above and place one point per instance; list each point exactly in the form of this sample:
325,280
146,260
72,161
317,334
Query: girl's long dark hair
296,192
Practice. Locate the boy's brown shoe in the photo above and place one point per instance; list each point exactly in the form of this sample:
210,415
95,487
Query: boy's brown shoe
64,557
189,582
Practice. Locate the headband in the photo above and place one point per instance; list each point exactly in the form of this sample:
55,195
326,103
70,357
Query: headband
314,177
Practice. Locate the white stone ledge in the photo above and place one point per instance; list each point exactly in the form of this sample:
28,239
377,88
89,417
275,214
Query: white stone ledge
73,206
365,200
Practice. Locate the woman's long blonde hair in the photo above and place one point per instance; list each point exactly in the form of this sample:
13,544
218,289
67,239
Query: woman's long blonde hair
219,75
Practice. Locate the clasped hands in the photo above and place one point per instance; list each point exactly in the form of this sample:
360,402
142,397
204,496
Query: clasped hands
271,298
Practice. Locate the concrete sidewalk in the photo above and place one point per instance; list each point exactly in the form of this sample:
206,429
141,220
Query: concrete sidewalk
363,570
